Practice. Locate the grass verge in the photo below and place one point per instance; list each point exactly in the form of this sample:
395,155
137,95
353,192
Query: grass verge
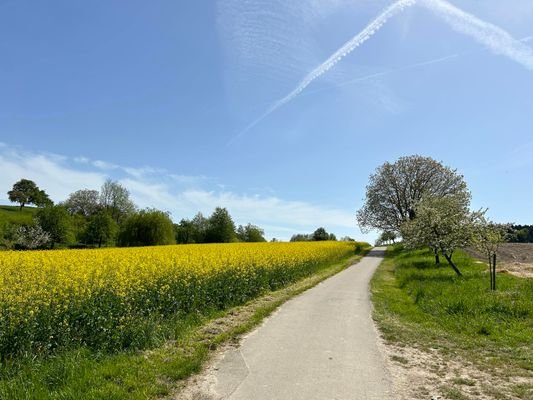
158,372
459,319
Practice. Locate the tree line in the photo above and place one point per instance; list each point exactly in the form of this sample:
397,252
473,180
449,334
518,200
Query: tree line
320,234
519,234
108,217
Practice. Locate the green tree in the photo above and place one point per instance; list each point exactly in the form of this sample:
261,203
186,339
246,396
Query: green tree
301,237
147,228
386,237
101,229
25,192
55,220
78,223
250,233
320,234
200,227
116,199
221,228
184,232
394,191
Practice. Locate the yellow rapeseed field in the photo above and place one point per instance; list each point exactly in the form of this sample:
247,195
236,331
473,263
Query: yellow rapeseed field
106,298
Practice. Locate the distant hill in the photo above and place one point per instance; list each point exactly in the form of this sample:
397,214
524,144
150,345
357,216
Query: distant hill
12,214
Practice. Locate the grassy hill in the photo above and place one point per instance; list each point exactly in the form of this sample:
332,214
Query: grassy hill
12,214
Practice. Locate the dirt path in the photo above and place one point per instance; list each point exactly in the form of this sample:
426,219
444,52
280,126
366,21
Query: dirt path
319,345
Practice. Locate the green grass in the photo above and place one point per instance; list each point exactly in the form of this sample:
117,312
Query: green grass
13,215
418,304
184,345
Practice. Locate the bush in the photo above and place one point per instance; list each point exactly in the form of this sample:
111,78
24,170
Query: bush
29,237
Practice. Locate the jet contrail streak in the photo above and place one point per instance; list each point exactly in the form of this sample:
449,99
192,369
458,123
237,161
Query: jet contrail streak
382,73
490,35
350,46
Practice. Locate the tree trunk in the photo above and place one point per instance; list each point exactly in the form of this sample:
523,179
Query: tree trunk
452,264
490,272
100,242
437,258
21,206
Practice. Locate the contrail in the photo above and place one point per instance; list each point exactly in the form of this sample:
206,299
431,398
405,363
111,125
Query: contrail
382,73
490,35
393,71
350,46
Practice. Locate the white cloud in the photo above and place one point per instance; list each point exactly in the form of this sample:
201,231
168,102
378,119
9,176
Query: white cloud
103,165
81,160
150,194
269,210
185,179
49,172
179,194
143,171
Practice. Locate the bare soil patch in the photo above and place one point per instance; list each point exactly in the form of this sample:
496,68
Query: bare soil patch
429,375
513,258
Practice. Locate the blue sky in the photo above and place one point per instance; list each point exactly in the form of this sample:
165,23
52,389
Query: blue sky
160,95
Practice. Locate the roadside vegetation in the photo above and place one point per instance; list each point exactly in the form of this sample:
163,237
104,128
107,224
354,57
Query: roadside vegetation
426,307
470,326
172,346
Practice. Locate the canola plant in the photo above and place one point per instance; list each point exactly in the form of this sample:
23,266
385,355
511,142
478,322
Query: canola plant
107,299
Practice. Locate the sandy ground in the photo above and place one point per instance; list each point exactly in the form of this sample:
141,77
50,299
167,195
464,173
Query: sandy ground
512,258
418,374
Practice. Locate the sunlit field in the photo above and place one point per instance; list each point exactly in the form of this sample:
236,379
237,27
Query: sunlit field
105,299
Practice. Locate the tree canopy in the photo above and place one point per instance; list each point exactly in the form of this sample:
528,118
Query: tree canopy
386,237
442,223
109,217
394,191
101,229
116,199
221,228
250,233
55,220
26,192
147,228
319,234
85,202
